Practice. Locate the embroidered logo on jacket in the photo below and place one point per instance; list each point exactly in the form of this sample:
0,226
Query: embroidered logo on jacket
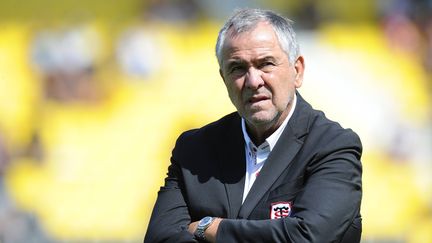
280,210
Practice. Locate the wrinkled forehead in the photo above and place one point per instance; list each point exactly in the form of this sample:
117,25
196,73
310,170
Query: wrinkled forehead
261,34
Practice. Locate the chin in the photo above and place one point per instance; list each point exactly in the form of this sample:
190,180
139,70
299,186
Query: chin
261,118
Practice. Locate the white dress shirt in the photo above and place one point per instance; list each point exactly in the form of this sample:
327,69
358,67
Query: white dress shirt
256,156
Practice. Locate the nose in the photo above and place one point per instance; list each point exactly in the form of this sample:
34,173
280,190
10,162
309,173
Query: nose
253,79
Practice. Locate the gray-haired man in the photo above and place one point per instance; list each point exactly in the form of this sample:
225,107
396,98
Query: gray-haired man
274,171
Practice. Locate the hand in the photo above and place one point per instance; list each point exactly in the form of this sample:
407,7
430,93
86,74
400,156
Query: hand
192,227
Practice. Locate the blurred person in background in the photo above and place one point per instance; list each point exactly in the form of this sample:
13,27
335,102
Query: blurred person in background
274,171
407,25
66,60
16,226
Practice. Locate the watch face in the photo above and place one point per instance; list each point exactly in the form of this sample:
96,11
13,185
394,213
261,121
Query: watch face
205,221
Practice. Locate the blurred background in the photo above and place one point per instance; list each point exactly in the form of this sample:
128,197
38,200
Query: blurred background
93,95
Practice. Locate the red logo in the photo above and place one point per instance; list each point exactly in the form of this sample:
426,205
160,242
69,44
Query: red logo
280,210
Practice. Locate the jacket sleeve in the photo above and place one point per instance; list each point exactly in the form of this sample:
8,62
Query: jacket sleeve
170,217
323,210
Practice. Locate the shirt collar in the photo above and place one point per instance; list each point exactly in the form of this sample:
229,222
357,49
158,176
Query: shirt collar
274,137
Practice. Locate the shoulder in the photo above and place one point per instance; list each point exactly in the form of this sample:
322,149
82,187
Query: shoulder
328,139
330,131
211,133
323,131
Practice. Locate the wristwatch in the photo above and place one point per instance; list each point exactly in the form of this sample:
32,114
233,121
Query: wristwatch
203,224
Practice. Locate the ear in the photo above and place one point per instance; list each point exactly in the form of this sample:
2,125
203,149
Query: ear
299,67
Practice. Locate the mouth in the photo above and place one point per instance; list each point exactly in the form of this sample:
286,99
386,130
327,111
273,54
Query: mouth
258,98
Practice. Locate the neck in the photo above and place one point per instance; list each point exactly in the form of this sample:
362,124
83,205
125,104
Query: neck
256,136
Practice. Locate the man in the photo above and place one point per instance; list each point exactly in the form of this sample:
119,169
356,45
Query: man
274,171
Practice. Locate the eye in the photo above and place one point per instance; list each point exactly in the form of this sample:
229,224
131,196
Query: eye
236,69
267,66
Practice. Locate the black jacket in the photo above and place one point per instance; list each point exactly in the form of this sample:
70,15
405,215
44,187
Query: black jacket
314,170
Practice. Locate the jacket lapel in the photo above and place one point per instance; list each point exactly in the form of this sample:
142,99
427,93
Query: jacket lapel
281,156
233,165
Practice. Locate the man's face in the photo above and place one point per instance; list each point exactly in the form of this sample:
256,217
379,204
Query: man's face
261,82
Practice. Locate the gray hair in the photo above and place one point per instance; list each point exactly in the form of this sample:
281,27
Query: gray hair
246,19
